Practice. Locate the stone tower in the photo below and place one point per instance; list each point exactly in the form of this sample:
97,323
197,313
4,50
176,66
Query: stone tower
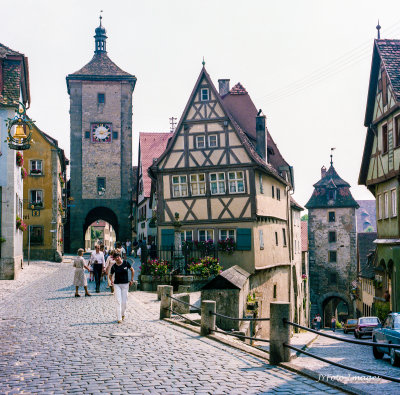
101,144
332,247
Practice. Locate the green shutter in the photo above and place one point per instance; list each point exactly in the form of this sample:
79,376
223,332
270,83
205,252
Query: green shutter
243,239
167,238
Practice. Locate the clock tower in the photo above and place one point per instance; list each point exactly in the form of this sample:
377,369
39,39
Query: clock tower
101,145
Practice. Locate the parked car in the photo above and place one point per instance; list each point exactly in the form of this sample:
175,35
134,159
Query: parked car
350,325
365,326
389,333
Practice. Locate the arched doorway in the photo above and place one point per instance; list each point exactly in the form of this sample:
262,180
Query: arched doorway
335,305
101,225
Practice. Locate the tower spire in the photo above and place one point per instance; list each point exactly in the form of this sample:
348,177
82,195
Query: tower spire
332,149
100,38
378,28
203,62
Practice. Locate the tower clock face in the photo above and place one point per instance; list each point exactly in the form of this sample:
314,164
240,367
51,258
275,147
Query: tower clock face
101,132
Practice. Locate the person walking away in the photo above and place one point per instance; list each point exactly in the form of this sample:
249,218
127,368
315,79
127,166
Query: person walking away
121,284
333,324
128,247
79,277
97,261
109,263
318,319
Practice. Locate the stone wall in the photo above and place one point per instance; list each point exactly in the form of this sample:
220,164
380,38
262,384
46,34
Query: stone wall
323,284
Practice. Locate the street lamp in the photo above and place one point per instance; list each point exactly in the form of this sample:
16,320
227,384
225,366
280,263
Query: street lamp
17,138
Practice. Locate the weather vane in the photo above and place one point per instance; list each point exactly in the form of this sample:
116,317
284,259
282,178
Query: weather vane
172,122
332,149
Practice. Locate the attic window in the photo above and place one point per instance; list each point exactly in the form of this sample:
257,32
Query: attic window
331,194
204,94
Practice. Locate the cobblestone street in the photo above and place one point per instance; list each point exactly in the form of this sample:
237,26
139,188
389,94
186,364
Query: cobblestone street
55,343
353,355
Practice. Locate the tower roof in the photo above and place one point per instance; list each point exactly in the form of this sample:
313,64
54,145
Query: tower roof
101,67
331,191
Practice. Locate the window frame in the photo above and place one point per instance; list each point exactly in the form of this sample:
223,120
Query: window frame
380,210
98,179
273,192
206,234
204,90
235,181
397,130
386,203
331,254
329,216
36,161
276,239
36,203
31,229
260,181
198,183
385,139
228,236
393,202
217,182
278,194
103,95
332,239
201,136
184,233
179,185
209,140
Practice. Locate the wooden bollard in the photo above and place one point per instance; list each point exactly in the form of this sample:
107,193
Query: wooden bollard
166,301
208,308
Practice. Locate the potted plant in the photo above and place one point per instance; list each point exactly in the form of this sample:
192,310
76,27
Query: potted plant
19,159
228,245
61,178
23,173
20,224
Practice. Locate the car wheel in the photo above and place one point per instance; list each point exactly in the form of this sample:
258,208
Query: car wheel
377,354
394,358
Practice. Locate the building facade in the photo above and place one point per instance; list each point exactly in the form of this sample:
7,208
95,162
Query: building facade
151,146
14,88
332,239
224,177
45,203
381,163
101,145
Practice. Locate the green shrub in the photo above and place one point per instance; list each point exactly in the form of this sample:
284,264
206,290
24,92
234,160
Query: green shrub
382,310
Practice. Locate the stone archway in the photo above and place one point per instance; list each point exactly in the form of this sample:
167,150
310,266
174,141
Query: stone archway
101,213
328,304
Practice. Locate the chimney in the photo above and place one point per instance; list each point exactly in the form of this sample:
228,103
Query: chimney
261,142
323,172
223,87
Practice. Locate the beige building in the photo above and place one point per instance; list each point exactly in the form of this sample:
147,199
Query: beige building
224,176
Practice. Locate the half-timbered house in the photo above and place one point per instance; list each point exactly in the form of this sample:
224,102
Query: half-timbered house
224,176
380,168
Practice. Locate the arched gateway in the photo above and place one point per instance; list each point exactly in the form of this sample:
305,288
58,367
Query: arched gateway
101,144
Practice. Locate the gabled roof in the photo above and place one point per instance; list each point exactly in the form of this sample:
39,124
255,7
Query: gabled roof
387,51
331,178
16,80
295,205
151,146
366,247
242,135
233,278
304,236
101,67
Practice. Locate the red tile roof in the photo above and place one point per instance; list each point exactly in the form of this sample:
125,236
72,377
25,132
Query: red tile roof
304,236
151,146
238,89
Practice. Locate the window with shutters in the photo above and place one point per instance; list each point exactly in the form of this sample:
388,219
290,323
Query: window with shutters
394,202
243,239
386,198
227,234
380,208
198,184
167,238
217,183
179,186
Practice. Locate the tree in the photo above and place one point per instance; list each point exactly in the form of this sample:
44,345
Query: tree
304,217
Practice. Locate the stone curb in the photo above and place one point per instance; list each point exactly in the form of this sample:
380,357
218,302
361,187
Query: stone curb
262,355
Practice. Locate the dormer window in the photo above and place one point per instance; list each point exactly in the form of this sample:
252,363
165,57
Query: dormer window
331,194
204,94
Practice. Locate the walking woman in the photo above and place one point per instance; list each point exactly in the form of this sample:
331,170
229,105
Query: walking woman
109,263
79,277
121,283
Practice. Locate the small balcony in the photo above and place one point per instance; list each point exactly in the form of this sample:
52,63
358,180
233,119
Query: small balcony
36,172
36,205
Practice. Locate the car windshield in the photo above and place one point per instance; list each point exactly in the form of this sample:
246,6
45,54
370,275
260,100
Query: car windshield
351,322
397,322
370,320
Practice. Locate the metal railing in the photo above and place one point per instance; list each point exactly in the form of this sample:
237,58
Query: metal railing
279,328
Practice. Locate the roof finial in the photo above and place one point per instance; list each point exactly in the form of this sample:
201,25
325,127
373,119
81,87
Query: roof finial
203,62
378,27
332,149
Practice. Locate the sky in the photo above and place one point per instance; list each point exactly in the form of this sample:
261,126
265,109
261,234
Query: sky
305,63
